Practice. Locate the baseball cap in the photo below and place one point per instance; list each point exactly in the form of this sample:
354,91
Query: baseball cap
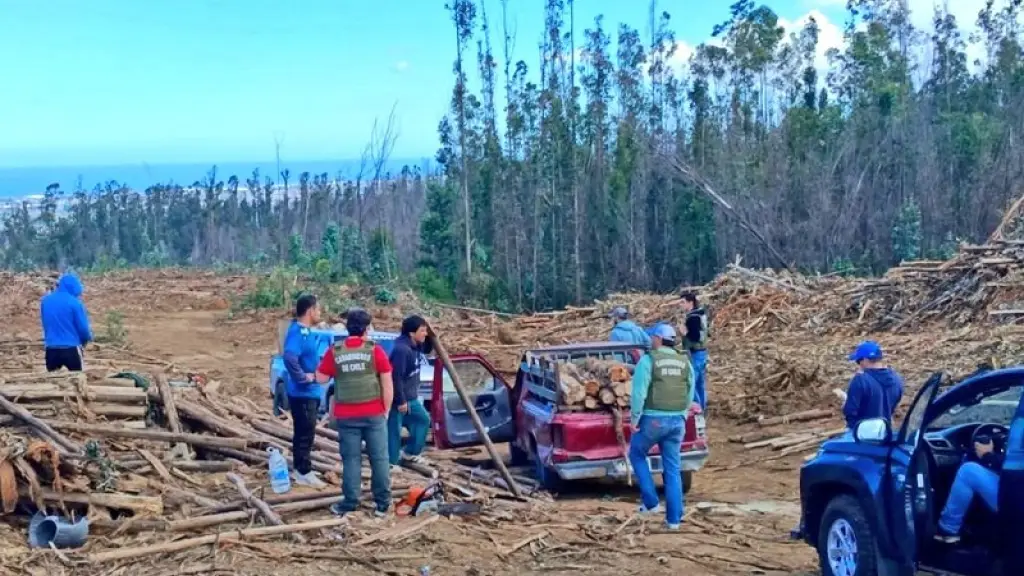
663,331
619,313
866,350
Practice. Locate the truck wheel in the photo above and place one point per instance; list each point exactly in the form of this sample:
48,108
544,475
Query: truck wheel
280,399
548,478
687,481
846,546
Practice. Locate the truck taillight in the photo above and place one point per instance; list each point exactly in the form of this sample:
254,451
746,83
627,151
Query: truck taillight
701,426
557,441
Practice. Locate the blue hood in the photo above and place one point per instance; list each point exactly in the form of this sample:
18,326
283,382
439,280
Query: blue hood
71,284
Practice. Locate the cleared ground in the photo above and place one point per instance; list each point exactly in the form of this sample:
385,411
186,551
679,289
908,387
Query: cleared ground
739,512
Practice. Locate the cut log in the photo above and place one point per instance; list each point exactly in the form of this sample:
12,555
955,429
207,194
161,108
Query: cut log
42,427
180,449
150,505
109,431
606,396
804,416
592,387
590,403
185,544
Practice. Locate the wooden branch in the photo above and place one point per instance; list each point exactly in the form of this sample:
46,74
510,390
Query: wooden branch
188,543
442,354
398,532
269,515
795,417
150,505
180,449
157,435
43,428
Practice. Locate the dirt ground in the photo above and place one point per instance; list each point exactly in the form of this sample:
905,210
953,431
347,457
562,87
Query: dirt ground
738,514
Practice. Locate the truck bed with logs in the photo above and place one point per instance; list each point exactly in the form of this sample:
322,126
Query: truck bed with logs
580,429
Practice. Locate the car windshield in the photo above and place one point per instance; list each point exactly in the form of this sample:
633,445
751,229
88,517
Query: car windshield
997,408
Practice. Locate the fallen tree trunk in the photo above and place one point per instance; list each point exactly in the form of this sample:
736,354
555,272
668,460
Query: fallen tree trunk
42,427
272,518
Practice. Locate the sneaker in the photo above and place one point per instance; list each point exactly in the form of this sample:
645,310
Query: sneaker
338,510
379,512
644,510
947,538
672,526
415,459
310,479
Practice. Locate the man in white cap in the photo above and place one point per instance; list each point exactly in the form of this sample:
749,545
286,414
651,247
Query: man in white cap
663,385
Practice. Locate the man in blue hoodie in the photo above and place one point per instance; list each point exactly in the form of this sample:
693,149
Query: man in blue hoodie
625,330
300,360
65,325
875,390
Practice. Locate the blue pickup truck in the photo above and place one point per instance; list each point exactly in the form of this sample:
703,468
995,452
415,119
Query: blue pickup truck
871,499
325,339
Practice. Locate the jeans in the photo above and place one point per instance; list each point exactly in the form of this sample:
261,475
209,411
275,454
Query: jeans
352,432
417,420
667,433
971,479
304,412
699,358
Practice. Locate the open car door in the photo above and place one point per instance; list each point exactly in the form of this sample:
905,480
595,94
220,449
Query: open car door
909,496
1011,492
491,396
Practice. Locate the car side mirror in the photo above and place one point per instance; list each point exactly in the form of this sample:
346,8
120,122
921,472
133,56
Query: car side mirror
873,431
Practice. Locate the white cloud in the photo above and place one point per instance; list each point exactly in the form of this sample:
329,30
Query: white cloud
829,34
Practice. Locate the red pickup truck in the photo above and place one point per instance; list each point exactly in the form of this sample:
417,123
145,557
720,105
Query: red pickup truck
561,445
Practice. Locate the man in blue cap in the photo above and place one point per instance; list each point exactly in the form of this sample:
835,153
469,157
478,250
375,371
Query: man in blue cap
662,392
625,330
875,390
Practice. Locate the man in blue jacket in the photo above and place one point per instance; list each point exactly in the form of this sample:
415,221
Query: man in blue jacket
65,325
300,361
407,408
875,390
625,330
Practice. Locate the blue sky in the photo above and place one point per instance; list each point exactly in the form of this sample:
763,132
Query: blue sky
101,82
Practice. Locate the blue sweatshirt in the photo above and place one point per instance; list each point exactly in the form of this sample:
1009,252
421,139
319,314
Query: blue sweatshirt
65,321
628,331
642,386
873,393
300,358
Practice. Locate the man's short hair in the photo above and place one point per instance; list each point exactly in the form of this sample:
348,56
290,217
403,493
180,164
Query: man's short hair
413,323
619,313
357,321
304,304
690,297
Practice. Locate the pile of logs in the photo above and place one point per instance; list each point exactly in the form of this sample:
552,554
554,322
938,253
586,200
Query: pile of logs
595,384
85,448
64,395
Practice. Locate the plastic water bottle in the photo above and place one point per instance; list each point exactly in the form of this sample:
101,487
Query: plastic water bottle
279,480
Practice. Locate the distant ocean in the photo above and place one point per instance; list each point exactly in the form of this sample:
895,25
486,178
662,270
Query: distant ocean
19,182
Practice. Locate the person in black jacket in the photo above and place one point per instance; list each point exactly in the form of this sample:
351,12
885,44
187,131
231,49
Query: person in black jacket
407,409
975,478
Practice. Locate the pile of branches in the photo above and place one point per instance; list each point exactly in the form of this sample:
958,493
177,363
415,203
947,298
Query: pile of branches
147,463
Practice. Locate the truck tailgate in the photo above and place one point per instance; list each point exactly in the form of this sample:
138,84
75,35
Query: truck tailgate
591,435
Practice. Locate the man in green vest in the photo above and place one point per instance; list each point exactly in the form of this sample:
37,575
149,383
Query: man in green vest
661,396
363,390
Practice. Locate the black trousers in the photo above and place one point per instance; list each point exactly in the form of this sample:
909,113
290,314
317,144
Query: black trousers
57,358
304,411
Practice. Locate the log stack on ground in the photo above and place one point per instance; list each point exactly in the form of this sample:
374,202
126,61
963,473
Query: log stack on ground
200,465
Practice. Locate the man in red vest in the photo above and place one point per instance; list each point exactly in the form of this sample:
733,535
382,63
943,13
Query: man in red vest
363,392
